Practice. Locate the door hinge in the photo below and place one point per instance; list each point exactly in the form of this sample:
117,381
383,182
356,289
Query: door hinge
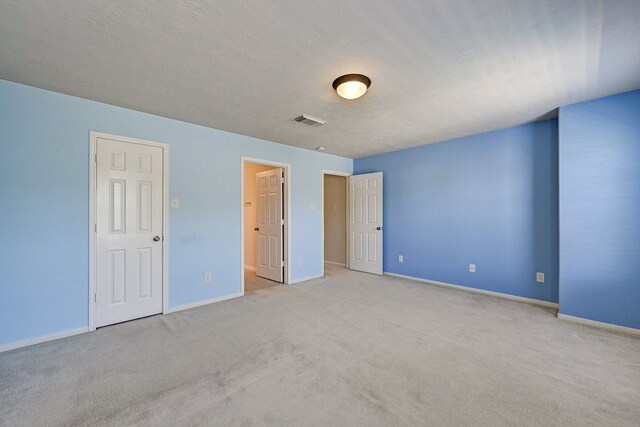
282,263
95,227
95,297
95,157
282,222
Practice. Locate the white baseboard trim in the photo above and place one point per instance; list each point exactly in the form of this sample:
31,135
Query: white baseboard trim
304,279
203,302
249,267
341,264
45,338
478,291
601,325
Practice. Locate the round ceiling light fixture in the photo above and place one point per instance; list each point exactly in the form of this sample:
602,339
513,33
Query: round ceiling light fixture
351,86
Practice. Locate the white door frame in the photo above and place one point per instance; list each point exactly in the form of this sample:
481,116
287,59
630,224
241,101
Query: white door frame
286,241
346,175
93,140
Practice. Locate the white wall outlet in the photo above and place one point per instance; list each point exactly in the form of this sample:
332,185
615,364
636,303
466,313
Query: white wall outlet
175,203
400,258
472,268
540,277
207,277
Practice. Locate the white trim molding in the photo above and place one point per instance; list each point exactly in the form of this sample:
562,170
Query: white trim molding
249,267
306,278
600,325
44,338
203,302
477,291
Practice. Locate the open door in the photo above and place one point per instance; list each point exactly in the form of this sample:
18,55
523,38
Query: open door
365,222
270,256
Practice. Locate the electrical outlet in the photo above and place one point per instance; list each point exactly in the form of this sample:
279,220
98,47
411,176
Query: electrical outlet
207,277
400,258
540,277
472,268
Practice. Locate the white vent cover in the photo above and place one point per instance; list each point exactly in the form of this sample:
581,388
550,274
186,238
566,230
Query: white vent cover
308,120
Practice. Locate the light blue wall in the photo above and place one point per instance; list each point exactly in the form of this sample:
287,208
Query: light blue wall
44,188
600,210
489,199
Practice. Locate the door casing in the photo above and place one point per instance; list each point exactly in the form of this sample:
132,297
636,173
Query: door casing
93,139
286,241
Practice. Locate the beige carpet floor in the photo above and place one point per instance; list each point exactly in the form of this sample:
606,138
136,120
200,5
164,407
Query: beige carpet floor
349,349
253,283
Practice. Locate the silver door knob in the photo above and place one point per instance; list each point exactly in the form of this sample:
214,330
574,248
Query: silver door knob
156,239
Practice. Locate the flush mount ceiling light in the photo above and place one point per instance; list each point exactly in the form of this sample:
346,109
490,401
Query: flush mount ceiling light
351,86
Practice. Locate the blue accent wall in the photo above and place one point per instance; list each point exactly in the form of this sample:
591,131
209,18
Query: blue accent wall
44,219
600,210
489,199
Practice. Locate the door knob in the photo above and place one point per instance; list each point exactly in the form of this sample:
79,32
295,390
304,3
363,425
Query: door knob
378,228
256,229
156,239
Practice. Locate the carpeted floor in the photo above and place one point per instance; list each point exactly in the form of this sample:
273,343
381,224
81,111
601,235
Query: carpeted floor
253,283
348,349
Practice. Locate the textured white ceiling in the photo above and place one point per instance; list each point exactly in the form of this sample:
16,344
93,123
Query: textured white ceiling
440,69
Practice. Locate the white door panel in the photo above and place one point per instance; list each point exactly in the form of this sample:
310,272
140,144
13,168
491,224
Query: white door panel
365,222
129,210
269,188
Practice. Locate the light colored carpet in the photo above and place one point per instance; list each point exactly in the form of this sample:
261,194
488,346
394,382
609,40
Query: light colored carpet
253,283
349,349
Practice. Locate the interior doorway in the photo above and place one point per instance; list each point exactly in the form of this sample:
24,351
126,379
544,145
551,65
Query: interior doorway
265,210
334,222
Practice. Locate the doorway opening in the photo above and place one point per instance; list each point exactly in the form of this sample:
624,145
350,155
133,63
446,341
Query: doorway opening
265,221
335,219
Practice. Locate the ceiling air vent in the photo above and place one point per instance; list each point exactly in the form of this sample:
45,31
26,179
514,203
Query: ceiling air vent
309,120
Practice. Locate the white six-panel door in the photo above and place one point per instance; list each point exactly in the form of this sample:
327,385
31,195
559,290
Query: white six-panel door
269,259
129,225
365,222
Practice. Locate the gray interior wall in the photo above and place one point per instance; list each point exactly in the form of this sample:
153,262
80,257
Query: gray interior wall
335,221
